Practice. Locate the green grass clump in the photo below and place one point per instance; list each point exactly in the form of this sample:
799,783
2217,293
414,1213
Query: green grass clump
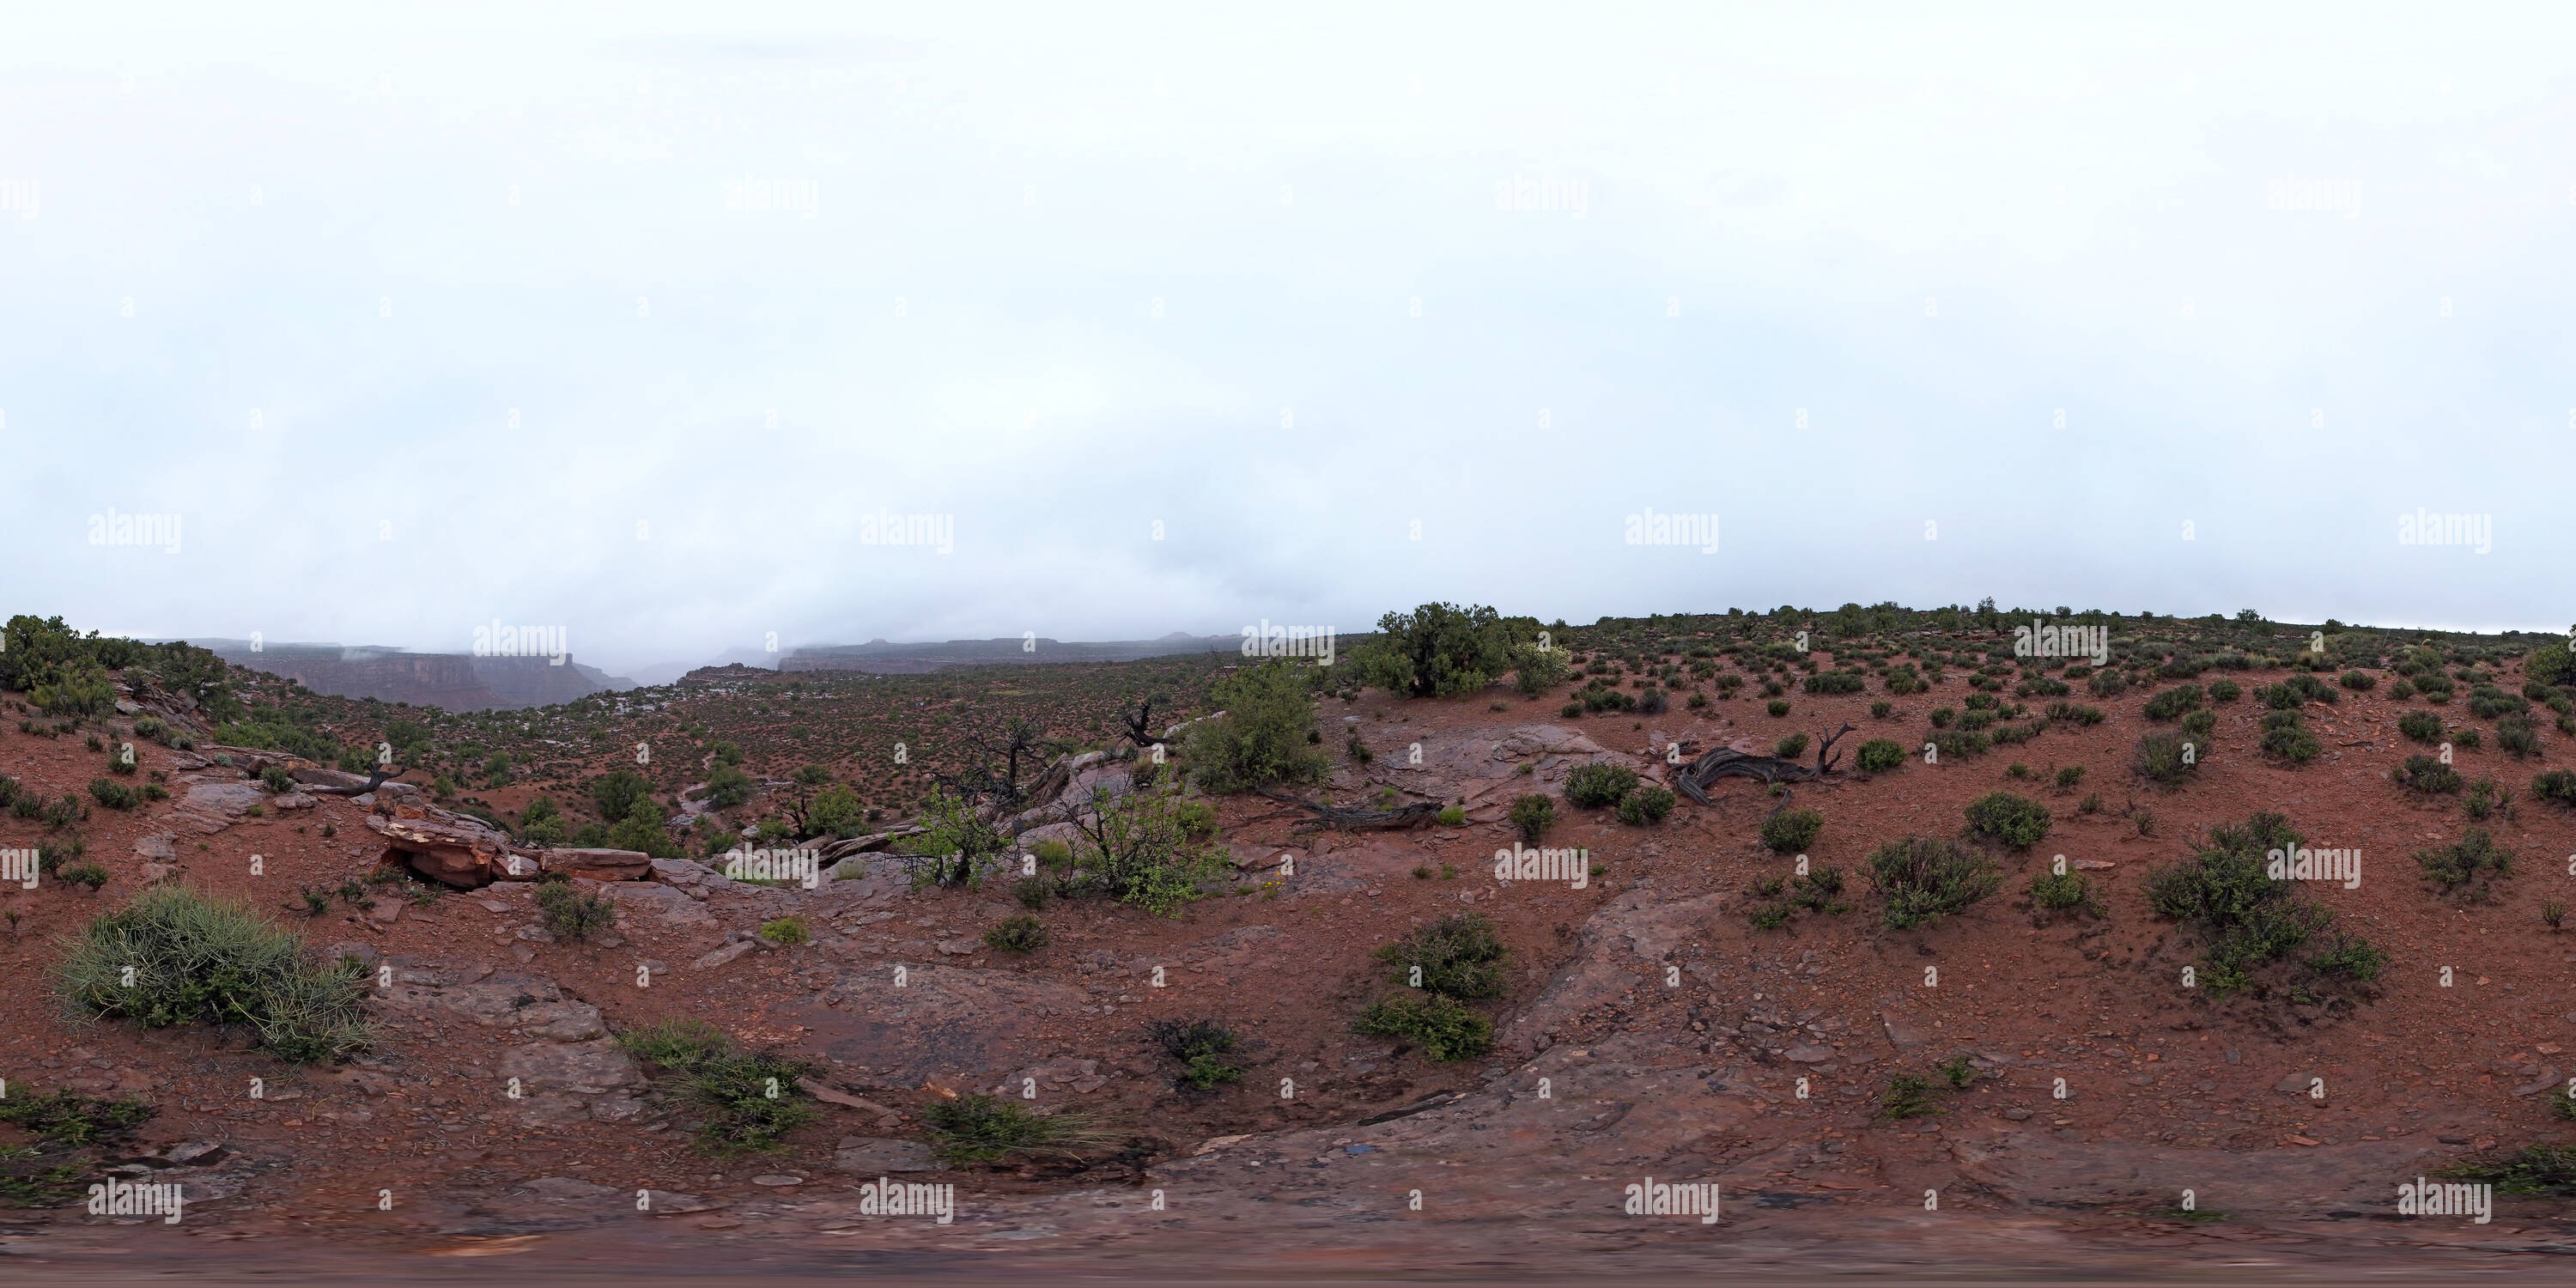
787,930
1596,785
2548,1170
2167,758
1446,1029
1018,933
1909,1096
747,1101
2009,820
1792,830
569,914
195,958
1459,955
57,1169
988,1129
2285,736
1201,1047
1924,879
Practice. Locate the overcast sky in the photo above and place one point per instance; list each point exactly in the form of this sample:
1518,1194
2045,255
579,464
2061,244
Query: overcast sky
628,318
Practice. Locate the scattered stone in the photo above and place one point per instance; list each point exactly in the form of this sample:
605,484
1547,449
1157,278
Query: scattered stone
722,956
2297,1083
870,1155
599,864
778,1178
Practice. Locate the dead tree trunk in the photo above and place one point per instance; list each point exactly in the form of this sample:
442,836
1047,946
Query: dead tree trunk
1726,762
1347,818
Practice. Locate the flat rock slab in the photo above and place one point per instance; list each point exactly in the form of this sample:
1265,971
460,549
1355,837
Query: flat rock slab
1622,947
209,808
951,1022
871,1155
2035,1167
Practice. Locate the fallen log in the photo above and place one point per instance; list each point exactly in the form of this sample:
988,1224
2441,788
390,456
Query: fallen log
1696,778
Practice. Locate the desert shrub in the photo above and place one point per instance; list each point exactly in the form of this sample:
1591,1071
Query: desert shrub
2515,734
728,787
1453,816
198,959
978,1128
2042,687
1537,670
2401,690
1791,747
1923,879
787,931
2435,686
2107,684
2474,859
2286,737
1139,852
113,794
616,793
2350,956
2006,819
2167,758
1457,956
1648,804
1943,716
1960,742
1532,815
1834,682
1909,1096
1595,785
2428,775
1265,737
569,914
2468,737
1446,1029
276,779
2056,893
748,1100
1201,1047
2486,702
2245,917
1777,707
1878,755
644,829
2070,777
1572,709
1790,830
2200,726
2422,726
2557,785
1018,933
2224,691
2073,714
2359,681
2173,702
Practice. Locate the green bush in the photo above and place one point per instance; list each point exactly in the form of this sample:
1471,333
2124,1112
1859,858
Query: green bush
2286,737
2173,702
1648,804
1834,682
2515,734
748,1101
2477,856
1453,816
1789,831
1266,737
2073,714
113,794
2244,916
2224,691
1537,670
1957,743
1139,852
198,959
979,1128
1878,755
2167,758
1447,1030
2061,893
617,793
1201,1047
1791,747
1018,933
728,787
1442,650
1923,879
1778,707
2359,681
276,779
2428,775
2006,819
569,914
1459,956
1595,785
1532,816
2558,785
2422,726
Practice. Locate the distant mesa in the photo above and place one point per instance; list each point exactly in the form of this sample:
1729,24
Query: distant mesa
451,681
883,658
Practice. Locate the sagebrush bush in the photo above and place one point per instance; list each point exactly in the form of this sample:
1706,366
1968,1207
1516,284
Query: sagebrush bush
1458,956
1599,784
2469,860
195,958
1923,879
1532,815
1201,1047
2244,916
1265,738
2422,726
113,794
1445,1029
1791,830
1791,747
1018,933
2173,702
1878,755
2010,820
2286,737
2556,785
2167,758
2428,775
1647,804
748,1100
